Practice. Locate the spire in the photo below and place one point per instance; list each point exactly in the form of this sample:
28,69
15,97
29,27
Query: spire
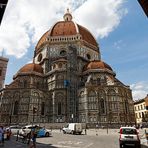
67,16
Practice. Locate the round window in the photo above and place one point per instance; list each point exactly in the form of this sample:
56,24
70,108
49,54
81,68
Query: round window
63,53
39,57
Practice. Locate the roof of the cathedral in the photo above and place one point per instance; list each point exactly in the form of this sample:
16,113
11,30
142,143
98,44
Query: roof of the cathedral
68,28
97,64
31,67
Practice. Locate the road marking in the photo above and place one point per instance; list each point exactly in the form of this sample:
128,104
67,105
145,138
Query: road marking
88,145
62,146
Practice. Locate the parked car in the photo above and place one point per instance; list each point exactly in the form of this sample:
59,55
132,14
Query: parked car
72,128
41,131
14,129
129,137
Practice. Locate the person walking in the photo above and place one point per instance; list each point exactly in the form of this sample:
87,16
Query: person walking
2,135
33,137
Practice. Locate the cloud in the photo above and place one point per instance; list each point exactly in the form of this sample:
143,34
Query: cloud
101,17
25,21
139,90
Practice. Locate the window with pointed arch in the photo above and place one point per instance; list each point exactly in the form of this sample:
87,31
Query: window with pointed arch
60,65
16,105
112,98
60,104
60,81
102,102
92,101
59,108
43,108
102,106
25,83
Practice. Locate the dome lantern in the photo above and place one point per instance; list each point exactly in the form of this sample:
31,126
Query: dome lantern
67,16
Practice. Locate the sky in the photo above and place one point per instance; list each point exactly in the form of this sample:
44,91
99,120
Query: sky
119,26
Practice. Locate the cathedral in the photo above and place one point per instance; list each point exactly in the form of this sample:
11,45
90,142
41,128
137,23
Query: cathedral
67,82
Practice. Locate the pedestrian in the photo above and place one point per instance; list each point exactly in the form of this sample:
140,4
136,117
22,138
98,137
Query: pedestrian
8,132
2,135
33,137
17,135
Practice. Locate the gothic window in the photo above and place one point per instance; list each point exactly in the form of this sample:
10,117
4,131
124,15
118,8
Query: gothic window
25,83
101,102
102,106
60,65
59,103
92,100
98,81
59,108
42,108
113,100
60,81
15,111
60,77
37,85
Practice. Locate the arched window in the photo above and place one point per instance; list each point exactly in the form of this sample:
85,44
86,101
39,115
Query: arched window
102,109
25,83
42,108
102,102
16,105
113,98
37,85
60,65
59,108
92,100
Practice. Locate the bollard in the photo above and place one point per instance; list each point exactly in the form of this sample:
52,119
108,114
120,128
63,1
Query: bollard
17,135
146,136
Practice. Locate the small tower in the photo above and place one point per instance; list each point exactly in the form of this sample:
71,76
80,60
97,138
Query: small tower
3,68
67,16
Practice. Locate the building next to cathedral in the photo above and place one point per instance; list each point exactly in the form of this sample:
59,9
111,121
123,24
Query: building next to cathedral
3,68
67,82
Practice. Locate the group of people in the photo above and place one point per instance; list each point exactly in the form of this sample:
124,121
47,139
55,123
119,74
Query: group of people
29,138
5,134
4,131
33,136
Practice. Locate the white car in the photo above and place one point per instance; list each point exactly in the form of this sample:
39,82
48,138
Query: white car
14,129
129,137
41,131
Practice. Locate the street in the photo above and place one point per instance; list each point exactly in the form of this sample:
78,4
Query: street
94,138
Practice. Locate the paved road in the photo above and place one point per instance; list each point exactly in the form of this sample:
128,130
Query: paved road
93,139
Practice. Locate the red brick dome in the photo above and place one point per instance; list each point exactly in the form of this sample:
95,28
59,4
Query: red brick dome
67,28
31,67
97,64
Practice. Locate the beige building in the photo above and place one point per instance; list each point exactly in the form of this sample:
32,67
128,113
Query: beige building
3,68
141,110
67,82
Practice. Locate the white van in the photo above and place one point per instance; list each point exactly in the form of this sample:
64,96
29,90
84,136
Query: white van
72,128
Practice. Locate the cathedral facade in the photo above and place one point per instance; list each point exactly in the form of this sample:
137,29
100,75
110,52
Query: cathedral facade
67,82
